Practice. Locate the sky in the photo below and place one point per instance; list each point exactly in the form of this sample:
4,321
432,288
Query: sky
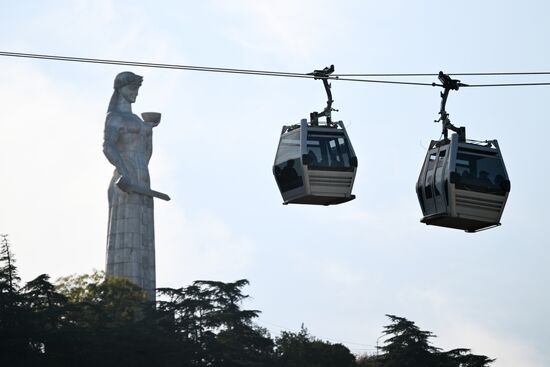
337,269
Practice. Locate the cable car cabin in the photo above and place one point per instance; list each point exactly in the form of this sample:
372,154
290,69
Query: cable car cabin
315,164
463,184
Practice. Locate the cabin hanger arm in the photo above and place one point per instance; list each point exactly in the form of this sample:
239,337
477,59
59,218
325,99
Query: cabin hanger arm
324,75
449,84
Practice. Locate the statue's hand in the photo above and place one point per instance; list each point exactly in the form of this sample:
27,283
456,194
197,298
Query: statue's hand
151,118
124,183
152,124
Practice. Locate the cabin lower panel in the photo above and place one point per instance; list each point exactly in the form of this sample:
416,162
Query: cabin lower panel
324,188
320,200
479,206
330,183
469,225
470,211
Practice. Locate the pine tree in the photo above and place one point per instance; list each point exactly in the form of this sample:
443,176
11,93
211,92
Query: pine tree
462,357
407,345
46,314
9,278
208,320
14,323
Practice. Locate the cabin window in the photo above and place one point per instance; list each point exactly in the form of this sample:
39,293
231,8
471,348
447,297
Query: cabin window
431,161
289,147
428,190
289,174
328,152
481,173
288,166
439,171
441,158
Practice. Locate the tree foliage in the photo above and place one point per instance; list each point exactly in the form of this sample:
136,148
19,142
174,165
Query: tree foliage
9,278
98,320
207,316
406,345
303,350
14,325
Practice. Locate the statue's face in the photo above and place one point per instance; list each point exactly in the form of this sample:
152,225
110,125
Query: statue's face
129,92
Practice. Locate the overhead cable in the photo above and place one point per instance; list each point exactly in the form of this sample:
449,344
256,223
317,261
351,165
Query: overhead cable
196,68
507,85
454,74
342,77
151,65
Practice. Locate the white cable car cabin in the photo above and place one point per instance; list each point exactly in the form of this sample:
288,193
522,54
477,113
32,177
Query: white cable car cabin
463,184
315,164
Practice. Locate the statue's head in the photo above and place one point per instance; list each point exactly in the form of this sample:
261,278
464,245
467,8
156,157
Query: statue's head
126,86
127,78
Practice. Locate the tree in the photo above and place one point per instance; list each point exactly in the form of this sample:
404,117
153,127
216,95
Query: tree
241,346
181,312
368,360
407,345
462,357
292,348
107,320
46,309
108,301
14,343
302,350
207,317
226,299
9,278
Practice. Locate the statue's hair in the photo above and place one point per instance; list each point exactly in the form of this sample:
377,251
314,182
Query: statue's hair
121,80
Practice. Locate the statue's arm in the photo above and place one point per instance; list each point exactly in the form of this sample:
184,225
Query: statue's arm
110,138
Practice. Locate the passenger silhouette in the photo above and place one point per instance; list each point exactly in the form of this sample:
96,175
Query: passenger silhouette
289,171
289,178
465,177
312,158
484,179
499,181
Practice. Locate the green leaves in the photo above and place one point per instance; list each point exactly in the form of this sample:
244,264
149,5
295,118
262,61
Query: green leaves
98,320
303,350
407,345
9,279
208,316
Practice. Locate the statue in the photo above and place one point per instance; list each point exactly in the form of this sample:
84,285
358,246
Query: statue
128,145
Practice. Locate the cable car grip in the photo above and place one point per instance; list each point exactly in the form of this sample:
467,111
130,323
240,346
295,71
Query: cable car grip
449,84
324,76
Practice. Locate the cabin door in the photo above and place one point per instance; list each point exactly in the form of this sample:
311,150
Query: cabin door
440,180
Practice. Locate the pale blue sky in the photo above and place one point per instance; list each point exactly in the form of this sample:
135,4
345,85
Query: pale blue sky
337,269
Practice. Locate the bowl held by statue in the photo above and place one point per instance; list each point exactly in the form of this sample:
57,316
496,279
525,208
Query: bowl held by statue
151,117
